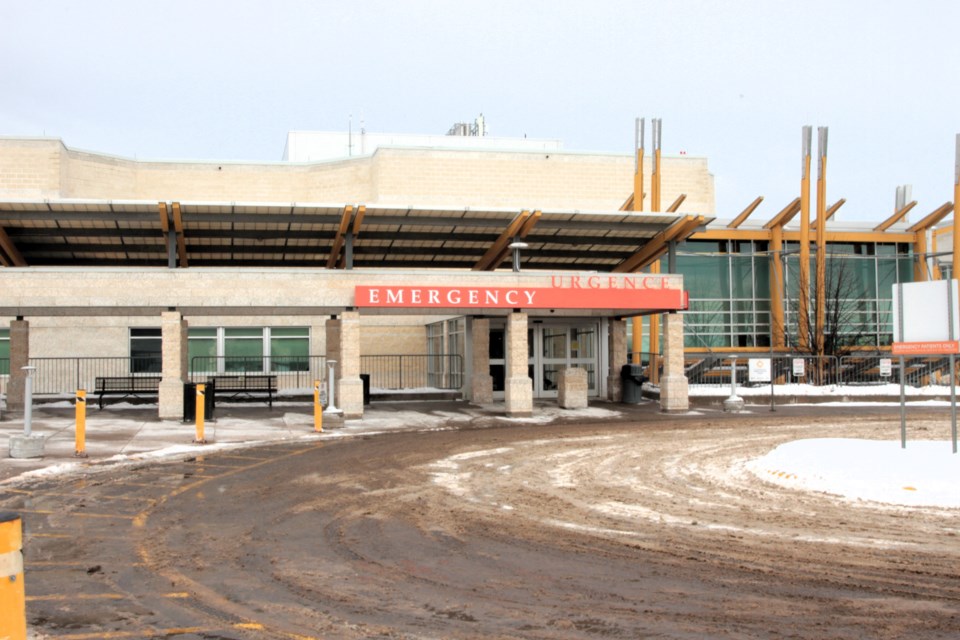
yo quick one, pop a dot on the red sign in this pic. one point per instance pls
(936, 348)
(653, 299)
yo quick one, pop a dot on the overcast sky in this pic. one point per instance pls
(734, 81)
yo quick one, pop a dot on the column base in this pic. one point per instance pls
(350, 398)
(481, 389)
(674, 394)
(614, 388)
(518, 396)
(171, 399)
(22, 446)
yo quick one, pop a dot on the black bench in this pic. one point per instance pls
(246, 385)
(126, 386)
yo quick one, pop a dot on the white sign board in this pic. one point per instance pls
(799, 368)
(759, 369)
(925, 313)
(886, 367)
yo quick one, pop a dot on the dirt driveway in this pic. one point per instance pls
(651, 529)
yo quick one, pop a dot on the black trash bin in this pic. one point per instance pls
(631, 375)
(190, 401)
(365, 377)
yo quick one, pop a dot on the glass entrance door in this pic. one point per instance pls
(552, 347)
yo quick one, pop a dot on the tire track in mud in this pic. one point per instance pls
(577, 531)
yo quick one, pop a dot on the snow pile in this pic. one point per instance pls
(925, 473)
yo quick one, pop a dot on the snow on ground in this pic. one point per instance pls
(925, 473)
(840, 391)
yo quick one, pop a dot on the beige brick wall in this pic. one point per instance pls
(45, 168)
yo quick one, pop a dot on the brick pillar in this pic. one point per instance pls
(173, 333)
(333, 349)
(349, 385)
(518, 387)
(617, 344)
(19, 358)
(674, 391)
(481, 382)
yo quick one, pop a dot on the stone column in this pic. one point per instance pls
(481, 382)
(173, 335)
(518, 386)
(349, 385)
(674, 391)
(19, 358)
(617, 345)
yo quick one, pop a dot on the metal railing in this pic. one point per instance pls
(438, 371)
(878, 369)
(294, 373)
(713, 370)
(55, 376)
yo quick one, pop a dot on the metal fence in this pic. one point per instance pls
(714, 370)
(4, 374)
(295, 374)
(438, 371)
(877, 369)
(55, 376)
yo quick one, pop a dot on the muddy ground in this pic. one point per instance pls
(642, 529)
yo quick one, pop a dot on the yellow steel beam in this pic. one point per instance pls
(854, 236)
(488, 260)
(338, 239)
(896, 217)
(932, 218)
(636, 204)
(786, 214)
(745, 213)
(830, 211)
(658, 245)
(14, 257)
(776, 287)
(920, 271)
(181, 241)
(821, 258)
(676, 203)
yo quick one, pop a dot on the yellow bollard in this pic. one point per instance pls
(81, 431)
(201, 409)
(13, 613)
(317, 408)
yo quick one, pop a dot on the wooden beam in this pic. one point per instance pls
(832, 210)
(181, 242)
(500, 245)
(855, 236)
(676, 203)
(358, 219)
(164, 218)
(528, 224)
(786, 215)
(658, 245)
(14, 257)
(932, 218)
(745, 213)
(896, 217)
(627, 204)
(345, 217)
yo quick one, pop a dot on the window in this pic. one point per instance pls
(289, 349)
(4, 352)
(146, 348)
(248, 349)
